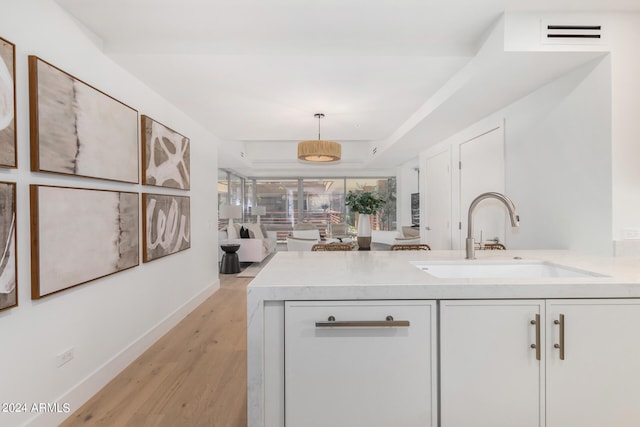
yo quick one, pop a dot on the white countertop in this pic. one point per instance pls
(387, 275)
(393, 275)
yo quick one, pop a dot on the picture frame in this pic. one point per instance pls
(8, 247)
(166, 228)
(79, 235)
(79, 130)
(166, 156)
(8, 129)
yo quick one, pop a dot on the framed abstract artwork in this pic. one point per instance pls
(166, 156)
(8, 152)
(8, 257)
(166, 228)
(79, 130)
(79, 235)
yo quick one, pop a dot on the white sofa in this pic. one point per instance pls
(394, 237)
(253, 249)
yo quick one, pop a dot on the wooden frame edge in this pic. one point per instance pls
(33, 114)
(35, 253)
(144, 228)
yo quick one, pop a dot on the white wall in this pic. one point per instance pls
(407, 181)
(557, 161)
(625, 66)
(621, 32)
(572, 146)
(109, 321)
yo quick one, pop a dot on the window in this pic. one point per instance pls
(321, 201)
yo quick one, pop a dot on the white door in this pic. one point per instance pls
(482, 170)
(438, 201)
(489, 374)
(598, 382)
(357, 375)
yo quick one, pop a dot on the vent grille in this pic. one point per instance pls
(572, 33)
(374, 151)
(243, 154)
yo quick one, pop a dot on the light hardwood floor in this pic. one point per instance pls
(193, 376)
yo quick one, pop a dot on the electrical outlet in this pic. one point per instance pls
(631, 234)
(64, 357)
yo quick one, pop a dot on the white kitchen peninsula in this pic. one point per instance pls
(371, 339)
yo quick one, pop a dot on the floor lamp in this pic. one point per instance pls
(258, 211)
(230, 212)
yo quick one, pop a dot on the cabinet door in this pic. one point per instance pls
(360, 375)
(489, 373)
(598, 382)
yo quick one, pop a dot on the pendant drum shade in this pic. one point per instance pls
(319, 150)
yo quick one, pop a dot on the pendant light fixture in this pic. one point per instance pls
(319, 150)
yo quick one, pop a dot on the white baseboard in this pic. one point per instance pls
(87, 388)
(629, 247)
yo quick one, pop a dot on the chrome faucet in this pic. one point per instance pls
(515, 219)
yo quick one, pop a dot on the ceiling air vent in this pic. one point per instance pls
(572, 33)
(243, 154)
(374, 151)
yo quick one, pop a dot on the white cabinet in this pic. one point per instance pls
(598, 382)
(489, 373)
(360, 363)
(588, 373)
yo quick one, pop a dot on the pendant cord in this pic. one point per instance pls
(319, 116)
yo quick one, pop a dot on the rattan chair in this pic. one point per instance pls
(320, 247)
(412, 247)
(493, 247)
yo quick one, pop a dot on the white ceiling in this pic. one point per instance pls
(255, 71)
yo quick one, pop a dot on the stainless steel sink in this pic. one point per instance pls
(469, 269)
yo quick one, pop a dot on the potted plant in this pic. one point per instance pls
(365, 203)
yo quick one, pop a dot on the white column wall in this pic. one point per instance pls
(557, 160)
(621, 32)
(625, 69)
(407, 183)
(558, 163)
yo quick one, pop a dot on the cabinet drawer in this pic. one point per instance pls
(360, 363)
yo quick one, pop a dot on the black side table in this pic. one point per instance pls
(230, 262)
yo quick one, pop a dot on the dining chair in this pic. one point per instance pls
(307, 234)
(300, 244)
(322, 247)
(411, 247)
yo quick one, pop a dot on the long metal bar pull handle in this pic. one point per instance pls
(536, 346)
(389, 322)
(560, 346)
